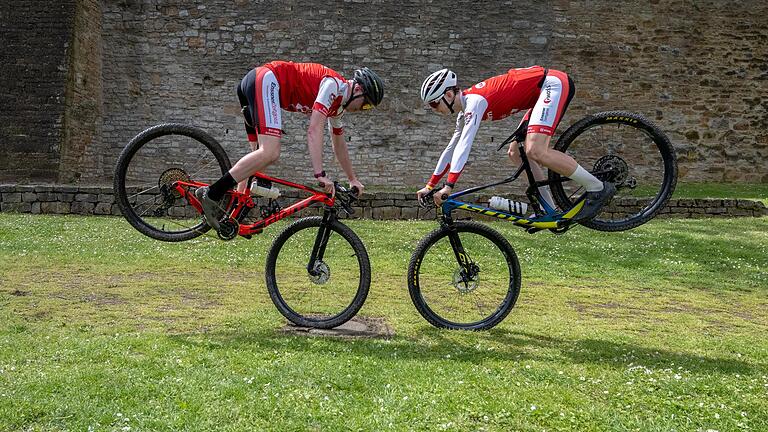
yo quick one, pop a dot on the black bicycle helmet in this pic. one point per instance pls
(372, 85)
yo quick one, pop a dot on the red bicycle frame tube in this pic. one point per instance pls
(239, 201)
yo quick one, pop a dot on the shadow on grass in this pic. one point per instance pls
(430, 344)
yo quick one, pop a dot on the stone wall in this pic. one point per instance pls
(696, 68)
(34, 66)
(93, 200)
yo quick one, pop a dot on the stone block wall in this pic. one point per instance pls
(696, 68)
(34, 68)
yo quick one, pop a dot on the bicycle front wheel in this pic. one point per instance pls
(149, 166)
(628, 150)
(449, 297)
(337, 285)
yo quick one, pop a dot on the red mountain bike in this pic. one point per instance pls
(317, 272)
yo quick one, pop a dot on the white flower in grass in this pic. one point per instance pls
(717, 416)
(678, 376)
(533, 407)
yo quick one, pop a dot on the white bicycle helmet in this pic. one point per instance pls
(436, 84)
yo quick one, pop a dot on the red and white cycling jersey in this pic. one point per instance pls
(509, 93)
(296, 87)
(545, 94)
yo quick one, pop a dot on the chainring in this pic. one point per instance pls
(228, 229)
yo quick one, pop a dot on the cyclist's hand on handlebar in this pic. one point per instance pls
(423, 194)
(442, 195)
(327, 185)
(356, 187)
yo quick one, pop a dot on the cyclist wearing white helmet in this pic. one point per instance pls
(545, 95)
(309, 88)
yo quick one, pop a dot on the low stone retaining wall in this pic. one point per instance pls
(94, 200)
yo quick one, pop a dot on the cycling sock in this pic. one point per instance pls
(222, 185)
(584, 178)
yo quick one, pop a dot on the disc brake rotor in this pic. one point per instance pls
(464, 284)
(322, 273)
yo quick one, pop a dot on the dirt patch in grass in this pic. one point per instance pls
(357, 327)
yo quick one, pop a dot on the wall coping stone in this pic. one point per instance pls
(99, 199)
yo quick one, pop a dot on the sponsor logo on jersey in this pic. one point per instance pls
(480, 85)
(547, 98)
(468, 117)
(273, 102)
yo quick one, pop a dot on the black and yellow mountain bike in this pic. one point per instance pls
(465, 275)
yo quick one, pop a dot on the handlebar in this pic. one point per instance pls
(345, 197)
(426, 200)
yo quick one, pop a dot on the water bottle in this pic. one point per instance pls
(508, 205)
(264, 188)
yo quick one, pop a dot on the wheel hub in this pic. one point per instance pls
(612, 168)
(168, 178)
(466, 283)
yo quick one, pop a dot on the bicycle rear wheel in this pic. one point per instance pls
(147, 169)
(628, 150)
(447, 298)
(339, 287)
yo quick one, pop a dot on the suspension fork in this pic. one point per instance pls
(321, 240)
(453, 238)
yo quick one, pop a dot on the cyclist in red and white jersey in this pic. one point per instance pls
(308, 88)
(545, 95)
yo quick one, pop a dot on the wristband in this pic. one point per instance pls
(450, 185)
(320, 174)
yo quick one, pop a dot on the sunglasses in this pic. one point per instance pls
(366, 103)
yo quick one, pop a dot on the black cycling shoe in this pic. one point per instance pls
(211, 209)
(594, 202)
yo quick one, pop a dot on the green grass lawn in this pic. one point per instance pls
(657, 329)
(757, 192)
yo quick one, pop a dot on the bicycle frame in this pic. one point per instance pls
(240, 202)
(549, 219)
